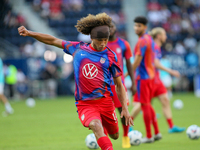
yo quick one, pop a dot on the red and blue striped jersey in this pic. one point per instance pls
(145, 48)
(122, 49)
(92, 70)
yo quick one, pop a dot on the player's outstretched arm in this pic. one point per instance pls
(170, 71)
(44, 38)
(122, 97)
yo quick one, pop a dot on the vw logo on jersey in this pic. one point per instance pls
(102, 60)
(118, 50)
(90, 71)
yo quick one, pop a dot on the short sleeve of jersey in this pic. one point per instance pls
(141, 47)
(158, 53)
(128, 54)
(69, 47)
(114, 67)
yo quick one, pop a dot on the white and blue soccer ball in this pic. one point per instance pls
(91, 141)
(193, 132)
(135, 137)
(178, 104)
(30, 102)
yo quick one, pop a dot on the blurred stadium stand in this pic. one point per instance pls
(63, 14)
(179, 18)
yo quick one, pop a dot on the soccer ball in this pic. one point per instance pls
(178, 104)
(135, 137)
(193, 132)
(30, 102)
(91, 141)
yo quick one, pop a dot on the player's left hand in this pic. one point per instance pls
(128, 119)
(133, 89)
(175, 73)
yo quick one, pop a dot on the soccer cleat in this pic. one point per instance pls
(126, 142)
(147, 140)
(157, 136)
(130, 129)
(176, 129)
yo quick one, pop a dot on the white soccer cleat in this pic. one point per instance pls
(147, 140)
(157, 136)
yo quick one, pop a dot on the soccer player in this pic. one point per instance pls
(160, 91)
(122, 50)
(144, 74)
(8, 108)
(93, 66)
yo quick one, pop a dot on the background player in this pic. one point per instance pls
(159, 91)
(159, 36)
(144, 74)
(122, 50)
(8, 108)
(93, 66)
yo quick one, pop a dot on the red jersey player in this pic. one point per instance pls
(122, 50)
(160, 91)
(94, 64)
(144, 74)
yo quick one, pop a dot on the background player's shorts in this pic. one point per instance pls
(167, 81)
(158, 88)
(144, 91)
(1, 88)
(102, 109)
(116, 101)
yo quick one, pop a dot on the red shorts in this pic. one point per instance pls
(144, 90)
(102, 109)
(158, 87)
(116, 101)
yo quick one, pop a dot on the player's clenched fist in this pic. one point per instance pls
(23, 31)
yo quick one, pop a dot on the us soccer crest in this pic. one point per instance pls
(118, 50)
(102, 60)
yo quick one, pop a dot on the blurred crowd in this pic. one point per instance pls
(180, 19)
(61, 14)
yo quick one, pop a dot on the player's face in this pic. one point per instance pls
(163, 37)
(112, 30)
(99, 44)
(140, 28)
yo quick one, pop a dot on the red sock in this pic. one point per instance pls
(170, 123)
(125, 128)
(105, 131)
(105, 143)
(147, 119)
(154, 120)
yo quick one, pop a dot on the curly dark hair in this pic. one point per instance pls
(86, 24)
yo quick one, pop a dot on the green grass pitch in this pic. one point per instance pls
(54, 125)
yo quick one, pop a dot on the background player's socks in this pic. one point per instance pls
(105, 143)
(147, 119)
(170, 123)
(154, 120)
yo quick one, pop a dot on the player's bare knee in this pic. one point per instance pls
(95, 125)
(114, 136)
